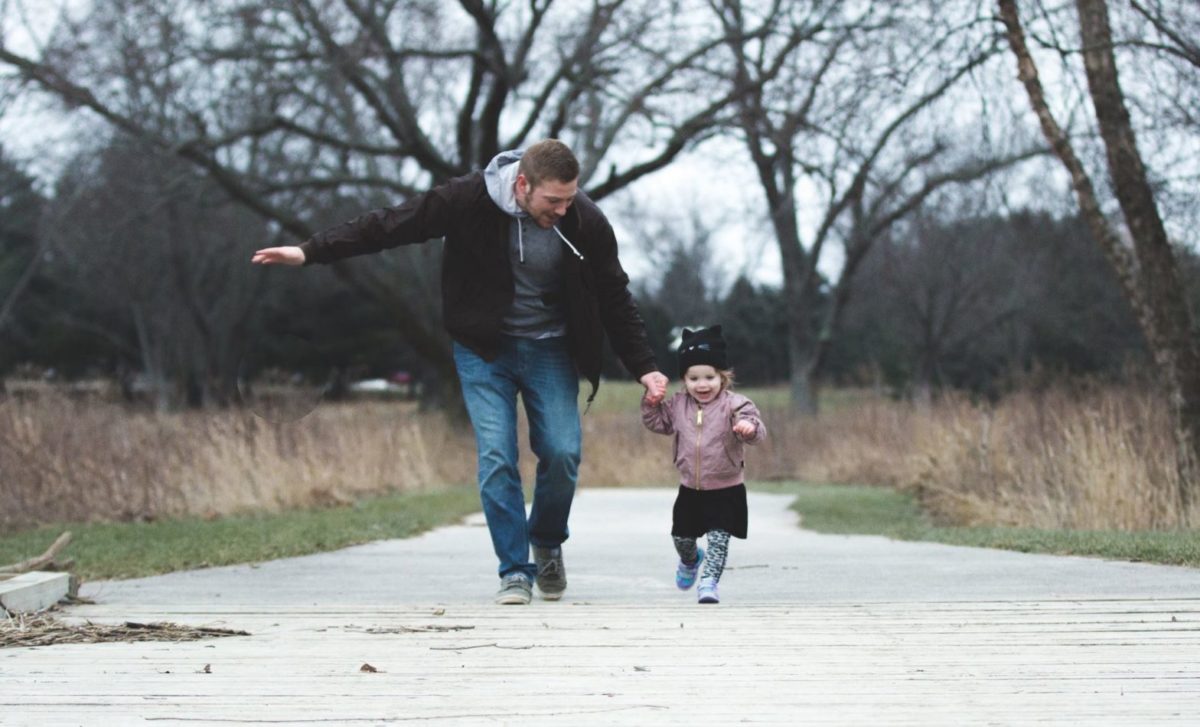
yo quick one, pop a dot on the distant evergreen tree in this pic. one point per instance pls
(20, 215)
(755, 324)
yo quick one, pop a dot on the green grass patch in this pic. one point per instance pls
(860, 510)
(129, 550)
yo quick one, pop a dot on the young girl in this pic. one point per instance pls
(710, 424)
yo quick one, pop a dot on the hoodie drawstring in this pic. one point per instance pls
(521, 241)
(564, 239)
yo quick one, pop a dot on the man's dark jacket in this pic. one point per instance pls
(477, 281)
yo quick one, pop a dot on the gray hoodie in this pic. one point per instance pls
(536, 257)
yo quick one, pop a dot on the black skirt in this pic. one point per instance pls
(698, 511)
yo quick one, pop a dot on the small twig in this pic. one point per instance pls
(35, 563)
(175, 627)
(479, 646)
(413, 629)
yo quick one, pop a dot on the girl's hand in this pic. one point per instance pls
(744, 429)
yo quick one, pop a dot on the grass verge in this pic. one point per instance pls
(862, 510)
(130, 550)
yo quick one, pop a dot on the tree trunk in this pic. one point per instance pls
(801, 365)
(797, 292)
(923, 381)
(1150, 281)
(1170, 336)
(151, 359)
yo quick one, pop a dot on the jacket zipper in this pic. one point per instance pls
(699, 436)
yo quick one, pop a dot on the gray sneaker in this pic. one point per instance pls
(551, 574)
(515, 590)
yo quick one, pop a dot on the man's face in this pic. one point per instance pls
(547, 202)
(703, 383)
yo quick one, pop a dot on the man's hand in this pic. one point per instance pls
(656, 386)
(290, 255)
(744, 429)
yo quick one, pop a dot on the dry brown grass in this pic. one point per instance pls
(64, 459)
(1064, 458)
(1081, 459)
(1094, 459)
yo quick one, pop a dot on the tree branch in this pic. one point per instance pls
(1189, 52)
(1122, 261)
(40, 561)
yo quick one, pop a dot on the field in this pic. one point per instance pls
(1070, 458)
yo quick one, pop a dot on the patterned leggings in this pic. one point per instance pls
(714, 559)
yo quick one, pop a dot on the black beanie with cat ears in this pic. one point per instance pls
(703, 347)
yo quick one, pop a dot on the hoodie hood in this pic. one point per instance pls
(501, 178)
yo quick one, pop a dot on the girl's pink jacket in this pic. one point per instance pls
(708, 454)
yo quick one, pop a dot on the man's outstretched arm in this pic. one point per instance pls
(421, 218)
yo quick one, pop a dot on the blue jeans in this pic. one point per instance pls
(545, 375)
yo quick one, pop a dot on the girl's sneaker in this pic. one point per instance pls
(685, 575)
(706, 592)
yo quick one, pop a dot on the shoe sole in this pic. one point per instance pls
(514, 598)
(709, 600)
(551, 595)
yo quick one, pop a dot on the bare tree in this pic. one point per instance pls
(847, 103)
(161, 280)
(282, 101)
(1149, 273)
(954, 291)
(1160, 43)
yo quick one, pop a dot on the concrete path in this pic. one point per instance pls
(620, 552)
(812, 629)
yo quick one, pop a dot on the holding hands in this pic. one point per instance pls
(656, 386)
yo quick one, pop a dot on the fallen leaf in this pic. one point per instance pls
(368, 668)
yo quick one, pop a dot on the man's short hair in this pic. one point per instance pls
(549, 159)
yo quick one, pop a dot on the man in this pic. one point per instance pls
(531, 284)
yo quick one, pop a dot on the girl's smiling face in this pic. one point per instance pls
(703, 383)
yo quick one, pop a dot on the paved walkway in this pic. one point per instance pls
(813, 628)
